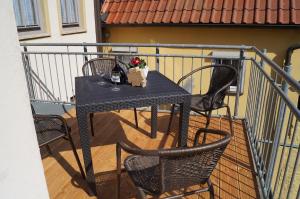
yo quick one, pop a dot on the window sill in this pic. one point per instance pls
(69, 31)
(32, 35)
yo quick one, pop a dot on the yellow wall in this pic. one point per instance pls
(276, 41)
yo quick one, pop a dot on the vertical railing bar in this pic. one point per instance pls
(33, 83)
(64, 75)
(253, 96)
(283, 150)
(260, 94)
(70, 70)
(148, 61)
(269, 119)
(85, 58)
(294, 170)
(250, 90)
(28, 66)
(236, 107)
(37, 70)
(258, 120)
(173, 63)
(165, 65)
(57, 76)
(182, 69)
(50, 72)
(288, 159)
(274, 151)
(76, 61)
(202, 53)
(261, 125)
(43, 66)
(192, 80)
(157, 67)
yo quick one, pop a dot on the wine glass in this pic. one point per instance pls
(101, 73)
(115, 78)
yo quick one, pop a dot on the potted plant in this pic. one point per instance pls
(141, 64)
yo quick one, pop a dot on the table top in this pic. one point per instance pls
(87, 90)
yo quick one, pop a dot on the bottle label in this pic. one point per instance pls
(115, 79)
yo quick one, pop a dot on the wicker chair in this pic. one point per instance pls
(155, 172)
(222, 77)
(50, 128)
(94, 66)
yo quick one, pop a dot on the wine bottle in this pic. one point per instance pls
(122, 78)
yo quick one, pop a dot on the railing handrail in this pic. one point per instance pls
(203, 46)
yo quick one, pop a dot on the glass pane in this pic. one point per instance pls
(17, 12)
(30, 12)
(63, 11)
(69, 11)
(25, 13)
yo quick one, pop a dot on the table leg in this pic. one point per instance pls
(184, 122)
(86, 150)
(154, 121)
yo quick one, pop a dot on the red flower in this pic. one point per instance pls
(137, 62)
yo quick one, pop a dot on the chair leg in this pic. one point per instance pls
(140, 193)
(92, 123)
(206, 126)
(171, 118)
(230, 121)
(76, 156)
(211, 189)
(118, 153)
(48, 149)
(136, 120)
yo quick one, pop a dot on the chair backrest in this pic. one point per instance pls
(222, 77)
(185, 167)
(97, 65)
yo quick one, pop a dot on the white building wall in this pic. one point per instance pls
(21, 170)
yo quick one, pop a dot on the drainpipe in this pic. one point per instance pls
(98, 22)
(288, 63)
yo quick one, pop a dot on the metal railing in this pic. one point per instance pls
(266, 105)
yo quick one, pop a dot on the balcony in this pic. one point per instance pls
(262, 160)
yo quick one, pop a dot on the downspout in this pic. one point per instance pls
(288, 62)
(98, 25)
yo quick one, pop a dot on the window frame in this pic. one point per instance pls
(233, 56)
(42, 29)
(72, 28)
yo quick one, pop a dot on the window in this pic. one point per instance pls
(232, 59)
(29, 18)
(26, 14)
(69, 13)
(71, 16)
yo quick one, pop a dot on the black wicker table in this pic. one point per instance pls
(91, 97)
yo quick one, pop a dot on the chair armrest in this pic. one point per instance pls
(50, 117)
(194, 71)
(136, 151)
(131, 150)
(208, 131)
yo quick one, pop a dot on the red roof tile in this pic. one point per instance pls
(263, 12)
